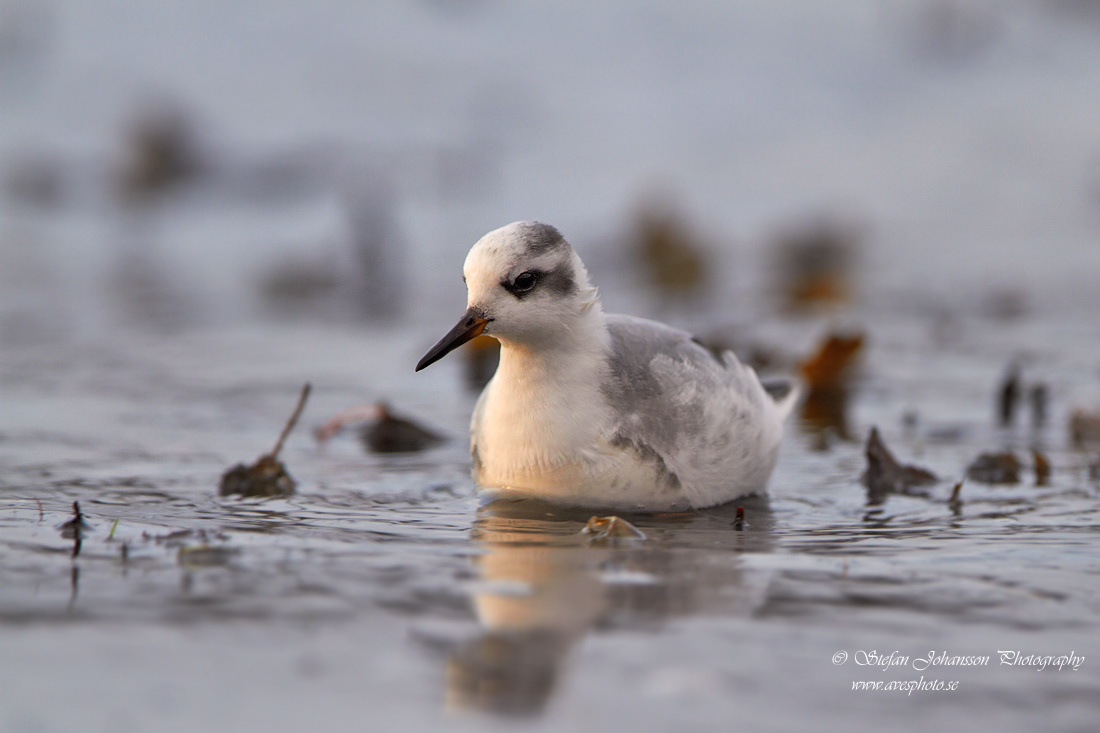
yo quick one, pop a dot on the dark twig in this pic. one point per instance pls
(293, 419)
(1008, 395)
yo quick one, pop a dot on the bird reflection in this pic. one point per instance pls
(544, 585)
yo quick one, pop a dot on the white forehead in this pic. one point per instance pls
(521, 244)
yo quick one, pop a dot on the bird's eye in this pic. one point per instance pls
(525, 281)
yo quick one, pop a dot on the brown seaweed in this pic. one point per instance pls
(815, 264)
(392, 434)
(1042, 468)
(1084, 428)
(955, 500)
(385, 433)
(161, 153)
(675, 262)
(885, 475)
(995, 468)
(828, 375)
(267, 476)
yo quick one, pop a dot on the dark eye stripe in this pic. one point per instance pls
(523, 284)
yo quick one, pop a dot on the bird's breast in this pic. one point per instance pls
(534, 438)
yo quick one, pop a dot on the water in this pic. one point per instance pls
(148, 344)
(383, 591)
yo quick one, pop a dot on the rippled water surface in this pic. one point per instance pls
(384, 590)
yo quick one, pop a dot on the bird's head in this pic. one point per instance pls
(524, 284)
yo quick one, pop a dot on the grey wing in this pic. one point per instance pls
(675, 398)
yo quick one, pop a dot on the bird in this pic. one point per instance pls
(588, 409)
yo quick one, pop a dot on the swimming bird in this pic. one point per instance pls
(598, 410)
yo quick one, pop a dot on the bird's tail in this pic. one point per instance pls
(785, 393)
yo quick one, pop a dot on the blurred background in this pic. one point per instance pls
(168, 166)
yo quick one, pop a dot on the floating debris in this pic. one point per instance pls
(482, 356)
(674, 261)
(341, 420)
(1008, 395)
(1037, 397)
(995, 468)
(391, 434)
(267, 476)
(886, 476)
(739, 519)
(74, 527)
(386, 433)
(828, 374)
(161, 153)
(1084, 428)
(814, 265)
(1042, 468)
(612, 528)
(830, 368)
(955, 500)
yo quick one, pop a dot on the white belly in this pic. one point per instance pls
(580, 466)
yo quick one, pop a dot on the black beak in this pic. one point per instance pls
(470, 327)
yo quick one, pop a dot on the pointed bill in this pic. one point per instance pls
(470, 326)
